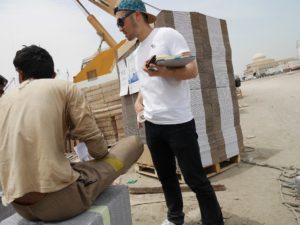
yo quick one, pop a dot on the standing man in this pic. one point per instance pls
(35, 175)
(3, 83)
(165, 99)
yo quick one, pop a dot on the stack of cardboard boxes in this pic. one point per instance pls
(105, 103)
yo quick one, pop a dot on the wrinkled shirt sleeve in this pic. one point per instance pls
(83, 125)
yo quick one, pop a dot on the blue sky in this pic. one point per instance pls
(267, 26)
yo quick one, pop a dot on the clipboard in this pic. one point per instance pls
(176, 61)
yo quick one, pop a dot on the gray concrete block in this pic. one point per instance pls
(112, 207)
(5, 211)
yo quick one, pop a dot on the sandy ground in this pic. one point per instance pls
(270, 122)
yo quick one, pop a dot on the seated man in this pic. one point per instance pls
(35, 176)
(3, 83)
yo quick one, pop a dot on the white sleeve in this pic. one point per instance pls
(176, 42)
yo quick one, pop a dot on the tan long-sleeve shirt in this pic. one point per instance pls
(34, 120)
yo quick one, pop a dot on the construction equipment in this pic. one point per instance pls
(107, 6)
(103, 62)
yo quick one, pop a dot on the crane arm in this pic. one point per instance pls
(106, 5)
(101, 31)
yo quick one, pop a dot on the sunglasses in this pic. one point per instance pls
(121, 20)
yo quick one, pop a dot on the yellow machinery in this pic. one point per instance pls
(107, 6)
(104, 62)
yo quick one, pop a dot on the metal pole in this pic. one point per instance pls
(85, 11)
(158, 9)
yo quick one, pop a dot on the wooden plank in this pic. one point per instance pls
(155, 190)
(222, 166)
(151, 172)
(107, 114)
(107, 109)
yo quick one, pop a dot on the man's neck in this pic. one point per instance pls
(144, 32)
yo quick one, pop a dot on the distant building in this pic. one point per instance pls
(298, 48)
(262, 66)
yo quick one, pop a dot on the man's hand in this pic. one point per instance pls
(139, 107)
(155, 70)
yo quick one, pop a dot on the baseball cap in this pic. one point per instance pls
(134, 5)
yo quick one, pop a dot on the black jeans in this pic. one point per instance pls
(180, 140)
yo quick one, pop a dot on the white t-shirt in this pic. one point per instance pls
(166, 100)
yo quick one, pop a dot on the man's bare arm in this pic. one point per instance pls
(138, 105)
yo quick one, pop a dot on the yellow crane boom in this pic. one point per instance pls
(101, 31)
(103, 62)
(106, 5)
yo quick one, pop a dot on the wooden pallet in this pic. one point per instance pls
(222, 166)
(151, 172)
(210, 170)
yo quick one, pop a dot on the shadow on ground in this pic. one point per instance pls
(231, 219)
(259, 153)
(250, 154)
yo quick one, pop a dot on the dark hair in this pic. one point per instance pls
(3, 81)
(116, 9)
(35, 62)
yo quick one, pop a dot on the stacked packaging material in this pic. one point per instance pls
(112, 207)
(106, 106)
(213, 98)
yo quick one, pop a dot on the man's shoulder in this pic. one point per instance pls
(167, 33)
(166, 30)
(53, 86)
(54, 83)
